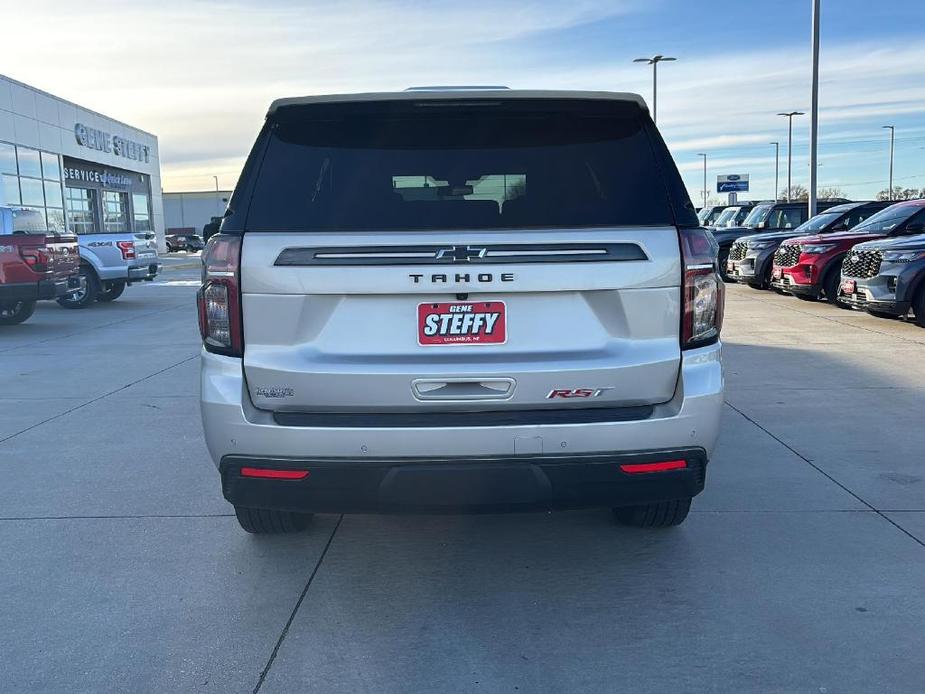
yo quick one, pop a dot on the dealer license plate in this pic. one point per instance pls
(462, 323)
(848, 287)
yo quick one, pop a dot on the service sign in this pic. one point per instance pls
(732, 183)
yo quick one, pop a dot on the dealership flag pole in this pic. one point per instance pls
(814, 113)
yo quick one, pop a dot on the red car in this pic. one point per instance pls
(34, 264)
(809, 267)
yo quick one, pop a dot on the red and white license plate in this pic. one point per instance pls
(849, 287)
(778, 273)
(462, 323)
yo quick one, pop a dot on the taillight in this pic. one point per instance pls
(703, 293)
(219, 297)
(35, 258)
(127, 248)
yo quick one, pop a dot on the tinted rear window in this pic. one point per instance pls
(419, 166)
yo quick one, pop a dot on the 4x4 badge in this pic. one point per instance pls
(461, 254)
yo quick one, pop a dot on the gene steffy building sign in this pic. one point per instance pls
(94, 138)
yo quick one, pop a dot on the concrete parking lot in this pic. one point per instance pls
(800, 569)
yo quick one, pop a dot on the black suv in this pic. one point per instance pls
(765, 216)
(751, 257)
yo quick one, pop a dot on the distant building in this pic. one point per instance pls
(81, 170)
(193, 210)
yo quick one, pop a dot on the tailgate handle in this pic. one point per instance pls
(463, 388)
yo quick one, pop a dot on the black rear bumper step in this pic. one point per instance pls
(480, 418)
(424, 485)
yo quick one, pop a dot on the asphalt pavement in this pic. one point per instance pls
(800, 569)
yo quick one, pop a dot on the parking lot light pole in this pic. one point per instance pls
(892, 130)
(776, 169)
(790, 116)
(814, 113)
(654, 61)
(701, 154)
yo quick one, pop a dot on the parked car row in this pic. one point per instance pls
(861, 255)
(38, 265)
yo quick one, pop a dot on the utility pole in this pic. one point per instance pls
(814, 113)
(892, 130)
(776, 170)
(218, 202)
(704, 177)
(654, 61)
(790, 116)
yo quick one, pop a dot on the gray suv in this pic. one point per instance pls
(451, 300)
(886, 277)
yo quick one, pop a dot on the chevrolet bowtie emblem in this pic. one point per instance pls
(461, 254)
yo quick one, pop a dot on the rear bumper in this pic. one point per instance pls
(43, 290)
(489, 484)
(143, 273)
(235, 430)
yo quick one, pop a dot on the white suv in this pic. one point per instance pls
(459, 300)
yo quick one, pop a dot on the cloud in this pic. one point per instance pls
(200, 74)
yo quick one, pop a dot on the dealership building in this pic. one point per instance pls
(85, 172)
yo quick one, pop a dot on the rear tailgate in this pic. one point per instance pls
(348, 337)
(64, 255)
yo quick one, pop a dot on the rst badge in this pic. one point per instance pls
(462, 323)
(576, 392)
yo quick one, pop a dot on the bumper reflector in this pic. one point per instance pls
(636, 468)
(274, 474)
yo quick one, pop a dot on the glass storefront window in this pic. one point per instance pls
(51, 167)
(30, 163)
(9, 189)
(141, 212)
(81, 210)
(53, 194)
(33, 192)
(7, 159)
(115, 217)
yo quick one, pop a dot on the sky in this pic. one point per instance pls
(200, 73)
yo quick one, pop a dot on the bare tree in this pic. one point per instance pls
(830, 193)
(900, 193)
(797, 193)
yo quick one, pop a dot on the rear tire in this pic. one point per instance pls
(260, 521)
(918, 307)
(663, 514)
(16, 312)
(86, 295)
(116, 287)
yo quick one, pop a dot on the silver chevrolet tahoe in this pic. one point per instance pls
(454, 300)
